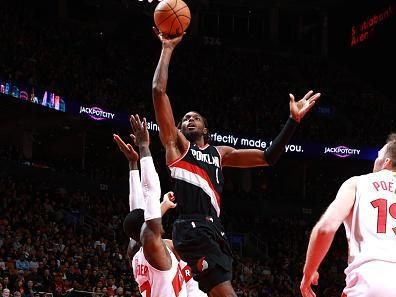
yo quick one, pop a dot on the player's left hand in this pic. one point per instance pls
(127, 149)
(306, 282)
(299, 109)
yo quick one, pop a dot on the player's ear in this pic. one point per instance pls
(205, 131)
(388, 164)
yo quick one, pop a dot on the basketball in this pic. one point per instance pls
(172, 17)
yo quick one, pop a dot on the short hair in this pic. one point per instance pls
(390, 151)
(391, 137)
(133, 223)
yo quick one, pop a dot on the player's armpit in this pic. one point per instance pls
(169, 244)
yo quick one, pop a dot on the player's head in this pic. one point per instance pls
(133, 223)
(194, 126)
(387, 155)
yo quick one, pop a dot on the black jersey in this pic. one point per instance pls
(198, 181)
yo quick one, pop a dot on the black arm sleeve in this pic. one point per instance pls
(273, 153)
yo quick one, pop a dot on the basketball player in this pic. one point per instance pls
(366, 205)
(196, 168)
(171, 284)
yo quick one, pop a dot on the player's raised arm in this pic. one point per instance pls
(323, 234)
(163, 110)
(136, 200)
(253, 157)
(153, 247)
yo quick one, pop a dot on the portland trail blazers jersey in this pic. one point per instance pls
(198, 181)
(371, 227)
(156, 283)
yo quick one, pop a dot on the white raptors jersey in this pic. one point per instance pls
(371, 227)
(156, 283)
(192, 285)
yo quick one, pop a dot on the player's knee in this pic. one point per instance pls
(223, 289)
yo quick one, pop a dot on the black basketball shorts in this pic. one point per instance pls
(201, 242)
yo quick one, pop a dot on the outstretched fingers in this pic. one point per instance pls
(292, 100)
(135, 123)
(121, 144)
(144, 123)
(314, 98)
(307, 95)
(138, 121)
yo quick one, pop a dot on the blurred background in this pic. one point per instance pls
(71, 72)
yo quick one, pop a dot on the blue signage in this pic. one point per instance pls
(52, 100)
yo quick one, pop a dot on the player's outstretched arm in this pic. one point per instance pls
(153, 247)
(163, 110)
(253, 157)
(136, 199)
(323, 234)
(141, 138)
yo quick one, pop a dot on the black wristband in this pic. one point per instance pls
(273, 153)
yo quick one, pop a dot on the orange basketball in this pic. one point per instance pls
(172, 17)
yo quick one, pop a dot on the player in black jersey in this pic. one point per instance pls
(198, 235)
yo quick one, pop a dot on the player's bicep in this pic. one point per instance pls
(164, 117)
(150, 236)
(154, 249)
(342, 205)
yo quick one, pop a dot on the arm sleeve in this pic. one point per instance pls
(151, 189)
(136, 198)
(273, 153)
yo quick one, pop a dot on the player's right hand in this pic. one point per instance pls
(168, 41)
(169, 199)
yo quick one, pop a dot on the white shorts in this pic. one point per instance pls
(372, 279)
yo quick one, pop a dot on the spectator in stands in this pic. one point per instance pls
(120, 292)
(29, 291)
(22, 263)
(6, 292)
(6, 282)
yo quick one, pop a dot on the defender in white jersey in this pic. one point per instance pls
(366, 205)
(155, 267)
